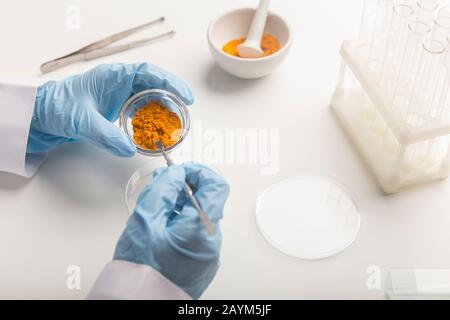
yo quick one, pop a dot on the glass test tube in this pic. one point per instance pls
(444, 103)
(403, 11)
(368, 18)
(426, 10)
(374, 26)
(417, 33)
(441, 25)
(423, 90)
(380, 37)
(429, 73)
(441, 31)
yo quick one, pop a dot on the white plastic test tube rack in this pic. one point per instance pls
(393, 93)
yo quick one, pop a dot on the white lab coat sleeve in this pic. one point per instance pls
(122, 280)
(16, 110)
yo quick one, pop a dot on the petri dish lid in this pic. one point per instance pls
(308, 217)
(140, 178)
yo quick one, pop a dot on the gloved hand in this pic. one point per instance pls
(177, 245)
(84, 106)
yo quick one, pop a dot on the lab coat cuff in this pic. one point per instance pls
(16, 110)
(122, 280)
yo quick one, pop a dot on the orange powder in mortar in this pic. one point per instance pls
(269, 45)
(154, 123)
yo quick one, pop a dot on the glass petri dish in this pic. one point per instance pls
(136, 184)
(140, 178)
(165, 99)
(308, 217)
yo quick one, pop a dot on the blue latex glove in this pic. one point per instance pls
(84, 106)
(177, 245)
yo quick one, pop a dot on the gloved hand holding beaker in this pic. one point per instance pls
(83, 107)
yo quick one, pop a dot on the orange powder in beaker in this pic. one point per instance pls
(155, 123)
(269, 45)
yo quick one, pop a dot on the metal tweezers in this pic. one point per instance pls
(99, 49)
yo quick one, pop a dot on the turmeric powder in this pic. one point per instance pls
(269, 45)
(154, 123)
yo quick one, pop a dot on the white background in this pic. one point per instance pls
(73, 210)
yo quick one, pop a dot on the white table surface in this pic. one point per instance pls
(72, 212)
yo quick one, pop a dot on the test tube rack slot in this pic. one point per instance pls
(392, 98)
